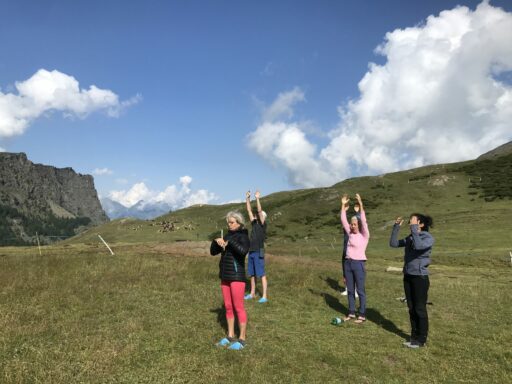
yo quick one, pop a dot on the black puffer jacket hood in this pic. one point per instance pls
(232, 260)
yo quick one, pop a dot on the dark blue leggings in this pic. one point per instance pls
(355, 274)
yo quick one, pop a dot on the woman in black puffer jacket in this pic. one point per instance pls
(233, 248)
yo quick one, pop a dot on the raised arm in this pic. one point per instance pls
(248, 205)
(393, 241)
(360, 202)
(362, 215)
(258, 206)
(343, 213)
(417, 241)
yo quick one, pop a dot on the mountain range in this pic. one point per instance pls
(141, 210)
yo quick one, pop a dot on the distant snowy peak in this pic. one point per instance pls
(140, 210)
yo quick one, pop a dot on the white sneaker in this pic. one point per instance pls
(344, 293)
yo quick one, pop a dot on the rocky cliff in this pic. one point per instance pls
(44, 199)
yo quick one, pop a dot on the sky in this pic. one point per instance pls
(189, 102)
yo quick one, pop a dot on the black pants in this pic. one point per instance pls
(416, 292)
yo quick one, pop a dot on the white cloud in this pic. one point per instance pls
(175, 196)
(102, 171)
(283, 105)
(137, 192)
(2, 149)
(286, 144)
(48, 91)
(439, 97)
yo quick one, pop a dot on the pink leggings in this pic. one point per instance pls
(233, 293)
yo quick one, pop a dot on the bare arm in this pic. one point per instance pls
(360, 201)
(258, 206)
(248, 205)
(344, 207)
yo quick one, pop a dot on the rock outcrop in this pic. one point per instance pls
(36, 195)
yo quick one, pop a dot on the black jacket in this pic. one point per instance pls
(232, 259)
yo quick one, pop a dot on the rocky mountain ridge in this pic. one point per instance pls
(44, 199)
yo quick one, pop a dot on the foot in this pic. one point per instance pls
(225, 342)
(248, 297)
(360, 320)
(349, 317)
(414, 344)
(263, 300)
(238, 345)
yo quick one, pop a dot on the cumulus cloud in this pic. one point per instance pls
(282, 107)
(440, 96)
(102, 171)
(175, 196)
(48, 91)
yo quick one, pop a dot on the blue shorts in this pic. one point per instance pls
(256, 263)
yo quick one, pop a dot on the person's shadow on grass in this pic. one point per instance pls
(221, 317)
(376, 317)
(331, 301)
(334, 284)
(372, 315)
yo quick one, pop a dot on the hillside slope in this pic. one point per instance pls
(469, 201)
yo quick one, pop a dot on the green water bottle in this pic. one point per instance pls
(337, 321)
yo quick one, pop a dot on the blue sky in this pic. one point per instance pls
(200, 77)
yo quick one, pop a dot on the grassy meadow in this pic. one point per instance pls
(79, 315)
(153, 312)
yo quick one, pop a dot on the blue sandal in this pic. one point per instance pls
(237, 346)
(225, 342)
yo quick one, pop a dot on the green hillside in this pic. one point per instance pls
(470, 203)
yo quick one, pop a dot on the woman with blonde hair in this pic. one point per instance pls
(233, 248)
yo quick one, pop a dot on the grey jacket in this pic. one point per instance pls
(418, 247)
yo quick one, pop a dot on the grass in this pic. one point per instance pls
(79, 315)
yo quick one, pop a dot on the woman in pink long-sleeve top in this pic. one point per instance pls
(355, 268)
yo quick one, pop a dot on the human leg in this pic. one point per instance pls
(251, 270)
(237, 294)
(264, 285)
(228, 304)
(359, 269)
(349, 275)
(420, 286)
(260, 272)
(408, 290)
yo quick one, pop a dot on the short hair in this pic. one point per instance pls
(237, 216)
(426, 220)
(359, 222)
